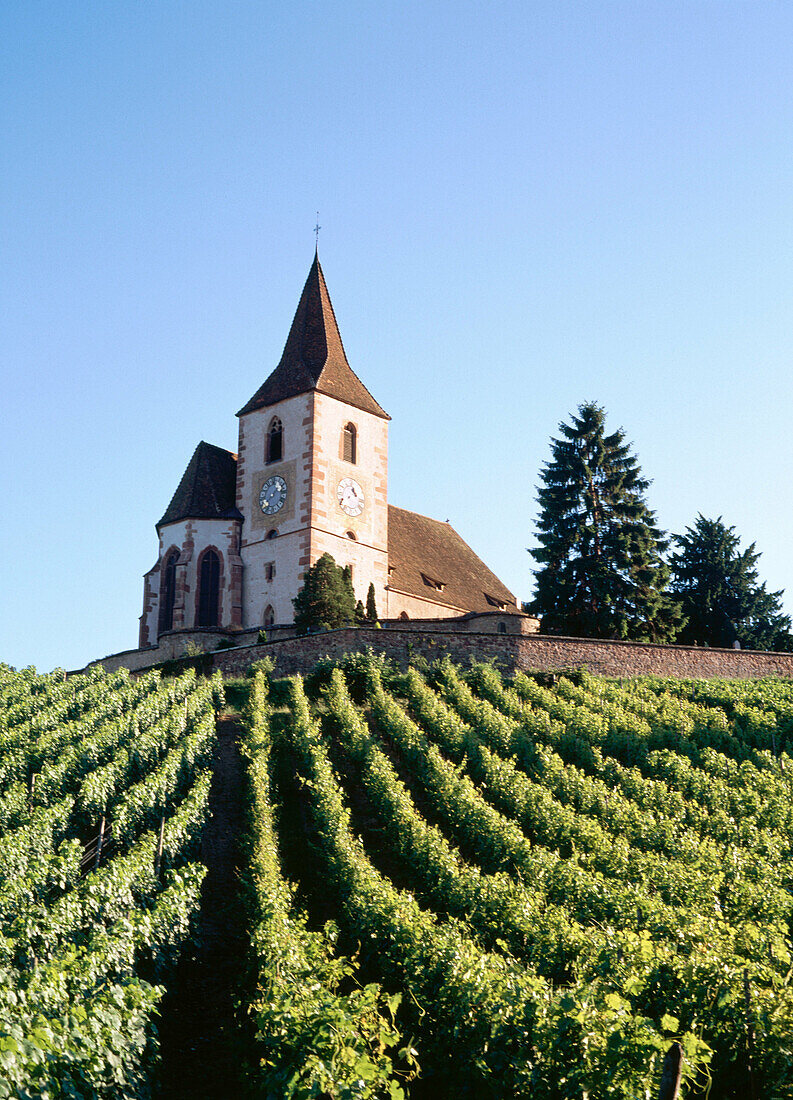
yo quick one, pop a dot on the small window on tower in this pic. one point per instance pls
(275, 441)
(272, 534)
(269, 616)
(349, 447)
(269, 571)
(351, 535)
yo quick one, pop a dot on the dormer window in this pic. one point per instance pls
(274, 446)
(431, 582)
(349, 443)
(495, 602)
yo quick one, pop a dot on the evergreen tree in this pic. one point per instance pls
(346, 572)
(326, 600)
(371, 606)
(717, 587)
(360, 614)
(601, 573)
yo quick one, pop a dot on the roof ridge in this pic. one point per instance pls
(421, 515)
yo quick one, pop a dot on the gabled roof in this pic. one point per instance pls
(207, 489)
(427, 558)
(314, 358)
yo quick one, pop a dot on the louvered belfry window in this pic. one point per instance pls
(275, 441)
(168, 592)
(209, 589)
(350, 443)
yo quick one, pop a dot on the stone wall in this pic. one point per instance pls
(529, 652)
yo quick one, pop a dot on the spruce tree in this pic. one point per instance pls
(360, 614)
(719, 592)
(326, 600)
(601, 573)
(371, 606)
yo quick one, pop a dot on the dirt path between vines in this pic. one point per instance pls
(199, 1034)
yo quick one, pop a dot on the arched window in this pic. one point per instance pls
(168, 591)
(275, 441)
(352, 535)
(349, 443)
(404, 615)
(269, 616)
(208, 589)
(272, 534)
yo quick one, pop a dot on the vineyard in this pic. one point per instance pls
(104, 783)
(455, 883)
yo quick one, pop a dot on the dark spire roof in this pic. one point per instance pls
(207, 489)
(314, 357)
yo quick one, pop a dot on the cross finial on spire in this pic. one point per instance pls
(317, 228)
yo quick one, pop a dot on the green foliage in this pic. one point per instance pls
(82, 946)
(313, 1039)
(717, 586)
(326, 600)
(237, 692)
(601, 573)
(357, 670)
(559, 877)
(542, 882)
(371, 605)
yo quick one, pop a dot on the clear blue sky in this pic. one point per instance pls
(524, 206)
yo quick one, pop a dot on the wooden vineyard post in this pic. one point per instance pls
(160, 846)
(749, 1036)
(670, 1074)
(99, 841)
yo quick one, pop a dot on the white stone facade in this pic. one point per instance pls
(191, 538)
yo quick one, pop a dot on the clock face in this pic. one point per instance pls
(350, 496)
(273, 495)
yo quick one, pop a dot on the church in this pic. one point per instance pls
(310, 476)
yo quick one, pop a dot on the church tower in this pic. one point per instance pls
(312, 469)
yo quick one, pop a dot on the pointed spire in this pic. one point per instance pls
(314, 356)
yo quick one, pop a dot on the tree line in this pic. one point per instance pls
(606, 570)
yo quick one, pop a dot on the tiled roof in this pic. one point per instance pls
(314, 358)
(428, 558)
(207, 489)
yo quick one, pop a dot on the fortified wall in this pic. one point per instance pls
(529, 652)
